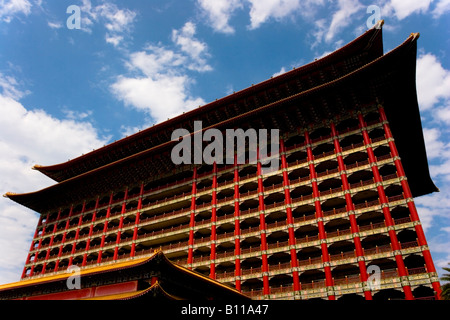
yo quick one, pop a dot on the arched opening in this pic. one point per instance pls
(388, 294)
(423, 292)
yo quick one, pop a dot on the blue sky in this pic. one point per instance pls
(65, 92)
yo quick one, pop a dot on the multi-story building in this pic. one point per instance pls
(336, 219)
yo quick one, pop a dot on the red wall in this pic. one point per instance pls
(89, 292)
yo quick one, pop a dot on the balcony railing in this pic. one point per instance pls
(254, 229)
(321, 283)
(250, 193)
(371, 226)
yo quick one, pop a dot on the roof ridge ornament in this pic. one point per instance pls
(379, 24)
(9, 194)
(415, 35)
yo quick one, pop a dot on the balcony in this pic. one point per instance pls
(386, 277)
(181, 212)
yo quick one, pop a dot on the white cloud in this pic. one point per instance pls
(442, 170)
(9, 8)
(160, 83)
(433, 207)
(155, 60)
(76, 115)
(115, 40)
(341, 18)
(117, 21)
(327, 30)
(163, 96)
(9, 87)
(218, 13)
(438, 151)
(442, 113)
(55, 25)
(29, 137)
(283, 70)
(263, 10)
(442, 7)
(401, 8)
(433, 81)
(433, 144)
(439, 246)
(194, 48)
(319, 31)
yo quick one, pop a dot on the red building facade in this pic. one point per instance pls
(336, 220)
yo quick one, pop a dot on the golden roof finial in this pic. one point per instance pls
(379, 24)
(9, 194)
(415, 35)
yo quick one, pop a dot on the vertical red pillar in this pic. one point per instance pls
(290, 219)
(319, 217)
(105, 227)
(212, 273)
(40, 242)
(119, 232)
(411, 206)
(88, 242)
(61, 247)
(237, 227)
(24, 272)
(386, 212)
(262, 228)
(192, 219)
(136, 224)
(351, 213)
(77, 233)
(42, 234)
(47, 256)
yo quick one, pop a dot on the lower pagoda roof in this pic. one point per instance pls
(173, 282)
(389, 80)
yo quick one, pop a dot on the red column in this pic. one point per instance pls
(351, 214)
(290, 219)
(212, 273)
(119, 232)
(192, 219)
(237, 227)
(39, 244)
(136, 227)
(411, 206)
(105, 228)
(88, 242)
(47, 256)
(42, 235)
(319, 217)
(24, 272)
(61, 247)
(74, 245)
(386, 212)
(262, 228)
